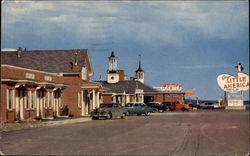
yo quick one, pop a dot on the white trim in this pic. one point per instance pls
(33, 70)
(36, 82)
(90, 87)
(90, 65)
(71, 73)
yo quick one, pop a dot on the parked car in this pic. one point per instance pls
(206, 105)
(108, 111)
(139, 108)
(159, 106)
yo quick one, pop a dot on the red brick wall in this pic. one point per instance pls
(29, 113)
(167, 97)
(3, 102)
(107, 98)
(70, 94)
(121, 75)
(19, 74)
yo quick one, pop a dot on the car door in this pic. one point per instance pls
(144, 108)
(116, 110)
(119, 110)
(137, 108)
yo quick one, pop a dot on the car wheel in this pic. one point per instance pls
(94, 118)
(109, 116)
(123, 116)
(147, 113)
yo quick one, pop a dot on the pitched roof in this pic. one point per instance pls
(56, 61)
(129, 86)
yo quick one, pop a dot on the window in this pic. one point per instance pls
(141, 75)
(10, 98)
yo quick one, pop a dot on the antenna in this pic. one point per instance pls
(140, 58)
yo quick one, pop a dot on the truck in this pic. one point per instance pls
(177, 106)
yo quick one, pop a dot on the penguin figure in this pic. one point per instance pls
(239, 67)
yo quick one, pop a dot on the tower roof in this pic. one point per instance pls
(112, 54)
(139, 68)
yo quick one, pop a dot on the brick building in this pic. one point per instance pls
(47, 83)
(123, 90)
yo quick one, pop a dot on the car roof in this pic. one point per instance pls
(109, 103)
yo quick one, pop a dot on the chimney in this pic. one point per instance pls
(75, 67)
(121, 75)
(19, 51)
(76, 58)
(25, 49)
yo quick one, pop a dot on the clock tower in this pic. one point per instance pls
(112, 73)
(139, 73)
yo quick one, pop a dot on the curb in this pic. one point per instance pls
(66, 121)
(19, 126)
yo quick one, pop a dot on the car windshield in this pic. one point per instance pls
(107, 105)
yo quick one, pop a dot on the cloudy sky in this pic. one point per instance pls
(188, 43)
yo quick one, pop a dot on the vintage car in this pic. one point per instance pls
(108, 111)
(139, 108)
(159, 106)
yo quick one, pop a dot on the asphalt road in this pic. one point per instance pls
(210, 132)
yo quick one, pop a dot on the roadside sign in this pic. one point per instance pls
(232, 84)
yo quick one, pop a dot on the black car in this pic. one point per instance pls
(159, 106)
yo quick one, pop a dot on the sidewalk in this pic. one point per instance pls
(41, 123)
(66, 121)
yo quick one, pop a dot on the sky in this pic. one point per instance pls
(180, 42)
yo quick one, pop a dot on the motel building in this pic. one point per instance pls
(119, 88)
(47, 83)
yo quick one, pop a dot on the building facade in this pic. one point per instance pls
(118, 88)
(47, 83)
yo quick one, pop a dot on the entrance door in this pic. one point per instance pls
(148, 99)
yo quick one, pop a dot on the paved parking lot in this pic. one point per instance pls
(201, 132)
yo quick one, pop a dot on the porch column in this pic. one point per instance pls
(142, 97)
(21, 104)
(97, 99)
(16, 103)
(37, 104)
(41, 103)
(82, 103)
(127, 99)
(93, 99)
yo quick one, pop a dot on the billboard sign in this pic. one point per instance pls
(190, 92)
(235, 99)
(171, 87)
(232, 84)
